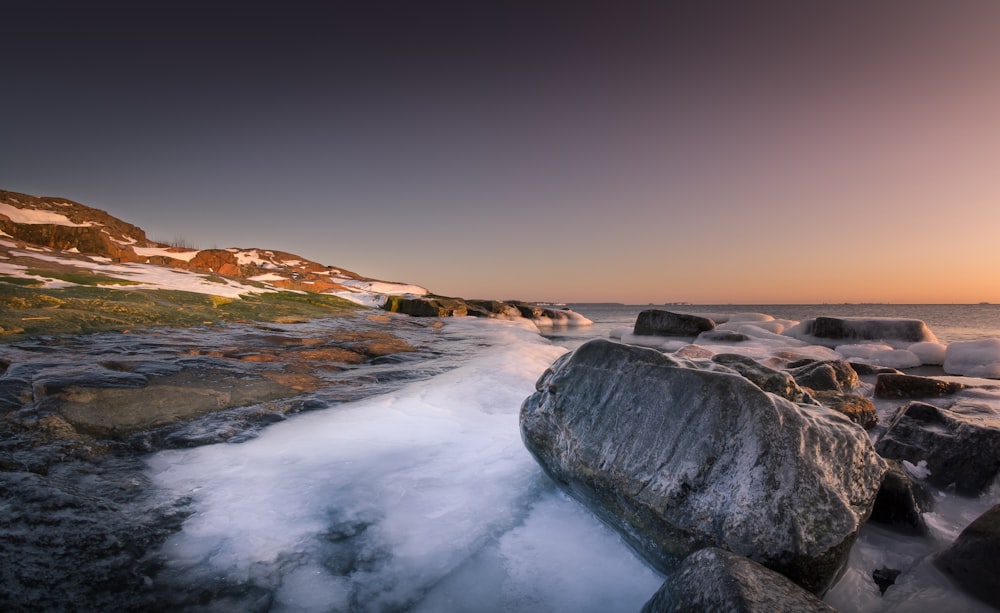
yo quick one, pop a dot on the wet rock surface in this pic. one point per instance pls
(716, 580)
(79, 522)
(960, 444)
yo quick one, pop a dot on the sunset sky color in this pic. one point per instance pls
(708, 152)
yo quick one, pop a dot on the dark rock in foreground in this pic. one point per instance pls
(678, 459)
(654, 322)
(716, 580)
(961, 445)
(900, 501)
(972, 559)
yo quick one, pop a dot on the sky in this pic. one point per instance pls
(642, 152)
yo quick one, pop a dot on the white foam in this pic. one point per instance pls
(431, 484)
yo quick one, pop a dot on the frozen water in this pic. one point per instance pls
(974, 358)
(422, 498)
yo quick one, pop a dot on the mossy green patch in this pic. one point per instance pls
(83, 277)
(29, 311)
(20, 281)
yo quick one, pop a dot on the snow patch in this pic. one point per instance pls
(184, 256)
(39, 217)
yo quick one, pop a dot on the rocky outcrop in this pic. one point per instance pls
(833, 331)
(678, 459)
(961, 445)
(716, 580)
(425, 307)
(900, 386)
(493, 308)
(971, 561)
(654, 322)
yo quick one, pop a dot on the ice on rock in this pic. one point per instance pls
(895, 358)
(929, 352)
(833, 331)
(863, 351)
(974, 358)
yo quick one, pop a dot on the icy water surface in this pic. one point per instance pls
(421, 499)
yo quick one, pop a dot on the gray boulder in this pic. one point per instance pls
(654, 322)
(678, 459)
(972, 559)
(716, 580)
(961, 444)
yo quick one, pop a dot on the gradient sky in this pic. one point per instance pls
(709, 152)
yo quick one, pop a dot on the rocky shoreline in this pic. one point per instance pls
(709, 462)
(81, 412)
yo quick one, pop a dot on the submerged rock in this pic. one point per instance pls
(654, 322)
(678, 459)
(972, 559)
(716, 580)
(961, 445)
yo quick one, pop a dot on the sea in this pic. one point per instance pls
(948, 322)
(424, 498)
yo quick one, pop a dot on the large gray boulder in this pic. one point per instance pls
(961, 444)
(678, 459)
(716, 580)
(654, 322)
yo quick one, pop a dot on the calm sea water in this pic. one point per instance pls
(949, 322)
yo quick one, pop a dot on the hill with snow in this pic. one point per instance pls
(43, 240)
